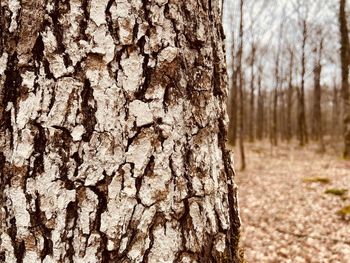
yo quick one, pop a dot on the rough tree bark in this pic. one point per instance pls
(113, 133)
(345, 64)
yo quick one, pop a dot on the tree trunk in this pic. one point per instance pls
(232, 129)
(317, 114)
(303, 136)
(113, 133)
(290, 97)
(240, 89)
(282, 114)
(336, 112)
(345, 63)
(251, 130)
(274, 140)
(260, 111)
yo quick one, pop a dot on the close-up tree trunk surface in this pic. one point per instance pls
(174, 131)
(113, 133)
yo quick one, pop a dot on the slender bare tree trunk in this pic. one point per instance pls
(303, 136)
(283, 114)
(317, 113)
(260, 110)
(345, 63)
(274, 139)
(113, 133)
(241, 89)
(232, 129)
(278, 82)
(336, 112)
(290, 96)
(251, 122)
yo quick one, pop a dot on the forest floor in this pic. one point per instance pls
(294, 205)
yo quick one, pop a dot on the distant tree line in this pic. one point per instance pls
(290, 78)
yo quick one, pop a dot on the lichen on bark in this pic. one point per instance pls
(113, 133)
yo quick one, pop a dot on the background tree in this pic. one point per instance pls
(290, 92)
(276, 89)
(302, 128)
(241, 87)
(260, 107)
(317, 127)
(113, 136)
(233, 102)
(336, 112)
(345, 63)
(251, 129)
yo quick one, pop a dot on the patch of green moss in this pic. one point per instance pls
(317, 179)
(337, 192)
(344, 212)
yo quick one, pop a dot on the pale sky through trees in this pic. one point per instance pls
(262, 22)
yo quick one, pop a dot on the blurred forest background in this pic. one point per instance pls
(289, 110)
(285, 65)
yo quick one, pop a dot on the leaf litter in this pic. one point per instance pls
(289, 212)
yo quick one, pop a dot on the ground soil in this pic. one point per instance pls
(287, 216)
